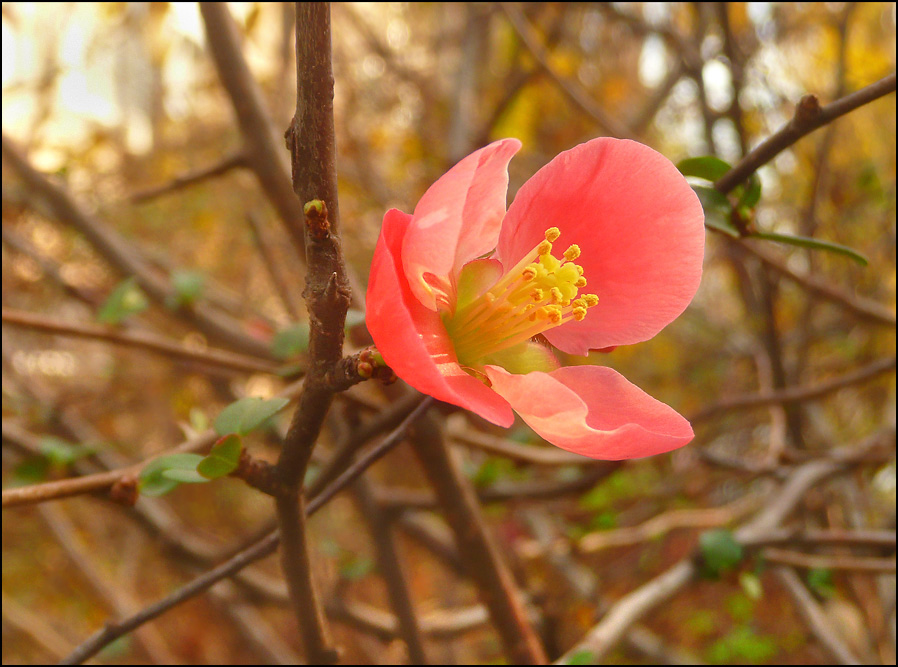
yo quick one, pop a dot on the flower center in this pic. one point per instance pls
(538, 294)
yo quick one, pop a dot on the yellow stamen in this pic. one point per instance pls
(552, 234)
(572, 253)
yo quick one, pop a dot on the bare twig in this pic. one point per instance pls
(830, 561)
(186, 180)
(481, 555)
(138, 339)
(570, 89)
(793, 394)
(262, 548)
(809, 116)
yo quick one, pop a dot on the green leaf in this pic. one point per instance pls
(720, 551)
(186, 476)
(751, 585)
(821, 582)
(291, 341)
(222, 459)
(708, 167)
(188, 287)
(814, 244)
(584, 657)
(718, 210)
(30, 471)
(357, 568)
(246, 414)
(62, 453)
(751, 194)
(125, 300)
(154, 481)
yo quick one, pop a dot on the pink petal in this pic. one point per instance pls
(457, 219)
(593, 411)
(640, 229)
(412, 338)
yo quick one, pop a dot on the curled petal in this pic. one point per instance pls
(457, 219)
(640, 230)
(412, 338)
(593, 411)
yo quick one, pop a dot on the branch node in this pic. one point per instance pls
(316, 219)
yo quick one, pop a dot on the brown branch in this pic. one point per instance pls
(125, 258)
(484, 562)
(138, 339)
(260, 145)
(570, 89)
(264, 547)
(794, 394)
(809, 116)
(390, 568)
(829, 561)
(865, 308)
(185, 180)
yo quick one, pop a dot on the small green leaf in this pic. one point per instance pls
(125, 300)
(718, 210)
(291, 341)
(188, 287)
(30, 471)
(186, 476)
(814, 244)
(584, 657)
(153, 478)
(357, 568)
(751, 194)
(751, 584)
(708, 167)
(821, 582)
(222, 459)
(720, 551)
(62, 453)
(246, 414)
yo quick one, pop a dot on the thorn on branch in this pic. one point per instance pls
(316, 220)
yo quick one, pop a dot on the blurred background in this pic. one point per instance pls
(122, 105)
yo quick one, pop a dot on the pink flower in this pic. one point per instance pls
(459, 289)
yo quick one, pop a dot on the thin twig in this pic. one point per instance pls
(264, 547)
(185, 180)
(139, 339)
(794, 394)
(809, 116)
(830, 561)
(481, 555)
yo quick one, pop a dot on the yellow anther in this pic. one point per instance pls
(566, 303)
(590, 299)
(579, 303)
(557, 297)
(544, 248)
(504, 309)
(554, 313)
(538, 294)
(489, 297)
(579, 313)
(552, 234)
(529, 273)
(572, 253)
(580, 282)
(579, 269)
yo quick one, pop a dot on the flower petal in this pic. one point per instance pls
(457, 219)
(640, 230)
(593, 411)
(412, 338)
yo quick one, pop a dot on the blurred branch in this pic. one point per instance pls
(262, 548)
(484, 562)
(864, 308)
(124, 257)
(191, 178)
(629, 609)
(390, 569)
(829, 561)
(147, 341)
(571, 90)
(816, 619)
(809, 116)
(794, 394)
(280, 277)
(261, 149)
